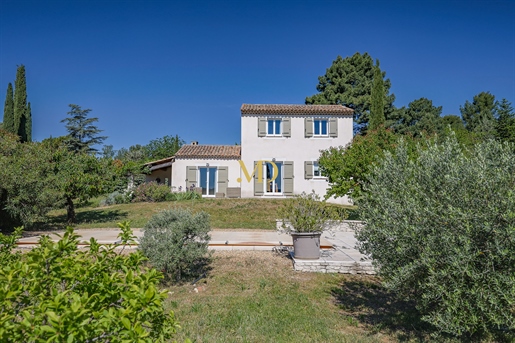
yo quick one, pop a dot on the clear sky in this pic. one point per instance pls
(153, 68)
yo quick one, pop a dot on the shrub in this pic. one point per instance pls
(176, 242)
(57, 293)
(306, 213)
(441, 229)
(116, 198)
(187, 195)
(151, 192)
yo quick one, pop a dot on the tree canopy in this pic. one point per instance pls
(440, 230)
(348, 81)
(419, 118)
(82, 133)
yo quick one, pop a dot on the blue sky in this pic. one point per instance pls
(153, 68)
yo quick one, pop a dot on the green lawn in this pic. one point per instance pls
(224, 213)
(256, 296)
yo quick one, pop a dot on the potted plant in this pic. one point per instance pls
(304, 217)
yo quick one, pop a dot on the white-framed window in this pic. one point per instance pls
(320, 127)
(316, 170)
(274, 127)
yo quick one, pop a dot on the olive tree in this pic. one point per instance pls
(440, 228)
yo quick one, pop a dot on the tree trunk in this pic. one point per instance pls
(70, 210)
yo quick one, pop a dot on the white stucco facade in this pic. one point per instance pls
(278, 156)
(180, 179)
(296, 148)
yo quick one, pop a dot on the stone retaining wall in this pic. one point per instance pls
(342, 226)
(342, 267)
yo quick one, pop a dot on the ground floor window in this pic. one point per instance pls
(208, 180)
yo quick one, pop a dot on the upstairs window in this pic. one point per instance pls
(320, 127)
(274, 127)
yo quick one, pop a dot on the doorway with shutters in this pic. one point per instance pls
(273, 186)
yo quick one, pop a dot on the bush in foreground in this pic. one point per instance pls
(441, 229)
(176, 242)
(57, 293)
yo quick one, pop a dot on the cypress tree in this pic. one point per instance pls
(377, 118)
(28, 123)
(8, 124)
(20, 104)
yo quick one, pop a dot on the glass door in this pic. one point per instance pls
(208, 180)
(273, 186)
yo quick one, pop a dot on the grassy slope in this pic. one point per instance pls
(255, 296)
(224, 213)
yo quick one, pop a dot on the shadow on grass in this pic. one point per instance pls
(371, 304)
(87, 217)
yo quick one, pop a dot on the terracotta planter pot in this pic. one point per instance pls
(306, 245)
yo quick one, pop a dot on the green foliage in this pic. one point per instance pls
(419, 119)
(78, 177)
(348, 82)
(151, 192)
(377, 100)
(82, 133)
(176, 242)
(479, 115)
(22, 116)
(57, 293)
(8, 123)
(306, 213)
(116, 198)
(347, 167)
(441, 229)
(505, 121)
(38, 177)
(162, 147)
(28, 182)
(182, 196)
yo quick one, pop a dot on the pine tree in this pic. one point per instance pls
(8, 123)
(348, 82)
(82, 134)
(377, 96)
(505, 125)
(419, 117)
(20, 103)
(479, 115)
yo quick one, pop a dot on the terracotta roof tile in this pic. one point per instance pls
(209, 151)
(295, 109)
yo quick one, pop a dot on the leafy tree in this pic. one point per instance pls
(59, 293)
(377, 118)
(348, 82)
(479, 115)
(22, 118)
(163, 147)
(28, 180)
(440, 229)
(347, 167)
(420, 118)
(505, 126)
(8, 123)
(80, 176)
(82, 132)
(108, 152)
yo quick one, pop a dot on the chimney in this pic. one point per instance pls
(194, 142)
